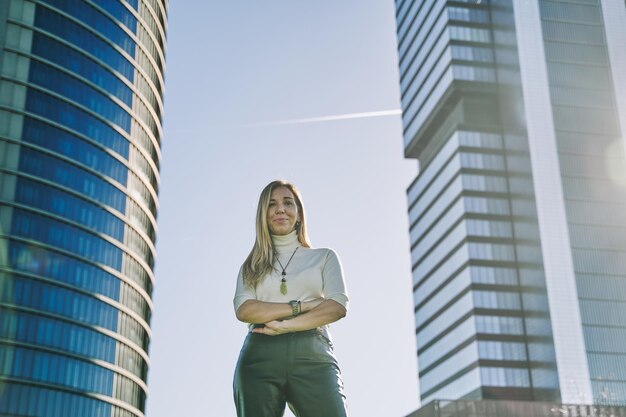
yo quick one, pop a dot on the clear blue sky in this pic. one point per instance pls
(231, 67)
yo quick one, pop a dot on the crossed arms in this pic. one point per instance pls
(277, 316)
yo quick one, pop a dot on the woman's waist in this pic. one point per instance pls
(323, 330)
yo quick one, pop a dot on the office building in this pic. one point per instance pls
(511, 408)
(81, 86)
(516, 112)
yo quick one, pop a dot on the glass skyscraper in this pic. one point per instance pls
(81, 99)
(516, 112)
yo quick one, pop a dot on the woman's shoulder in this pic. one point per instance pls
(322, 252)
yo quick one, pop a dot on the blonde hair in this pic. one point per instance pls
(260, 261)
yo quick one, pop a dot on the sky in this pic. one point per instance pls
(305, 91)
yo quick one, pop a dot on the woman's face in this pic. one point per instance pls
(282, 212)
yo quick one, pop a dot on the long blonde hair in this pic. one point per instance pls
(260, 261)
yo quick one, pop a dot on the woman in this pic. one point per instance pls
(289, 293)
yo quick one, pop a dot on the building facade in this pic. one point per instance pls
(509, 408)
(81, 99)
(516, 113)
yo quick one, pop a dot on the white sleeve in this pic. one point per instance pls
(243, 292)
(334, 286)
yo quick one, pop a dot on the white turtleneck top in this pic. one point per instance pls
(311, 274)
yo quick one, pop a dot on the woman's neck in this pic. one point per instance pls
(285, 243)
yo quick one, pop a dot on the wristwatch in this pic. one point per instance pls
(296, 307)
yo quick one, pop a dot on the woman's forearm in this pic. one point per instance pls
(259, 312)
(254, 311)
(327, 312)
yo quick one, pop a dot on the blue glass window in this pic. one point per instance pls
(64, 113)
(60, 370)
(608, 392)
(52, 79)
(465, 14)
(68, 206)
(498, 300)
(55, 23)
(499, 325)
(32, 259)
(64, 143)
(573, 32)
(120, 12)
(505, 377)
(73, 60)
(494, 275)
(68, 175)
(605, 287)
(71, 304)
(496, 350)
(94, 19)
(45, 331)
(603, 313)
(57, 300)
(42, 402)
(56, 233)
(73, 338)
(111, 30)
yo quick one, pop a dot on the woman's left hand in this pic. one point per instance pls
(272, 328)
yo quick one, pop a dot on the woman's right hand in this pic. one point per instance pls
(310, 305)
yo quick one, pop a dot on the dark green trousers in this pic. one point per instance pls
(298, 369)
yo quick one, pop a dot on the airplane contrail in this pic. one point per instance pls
(380, 113)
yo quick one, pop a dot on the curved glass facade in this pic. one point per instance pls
(81, 99)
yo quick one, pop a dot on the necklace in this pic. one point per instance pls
(283, 280)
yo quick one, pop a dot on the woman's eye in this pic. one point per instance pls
(272, 204)
(289, 203)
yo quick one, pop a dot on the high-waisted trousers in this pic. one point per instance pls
(298, 369)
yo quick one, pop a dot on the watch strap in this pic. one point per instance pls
(295, 307)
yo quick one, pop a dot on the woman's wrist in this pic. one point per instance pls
(296, 307)
(286, 327)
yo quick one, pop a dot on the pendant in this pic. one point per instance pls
(283, 286)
